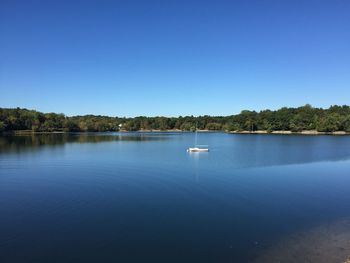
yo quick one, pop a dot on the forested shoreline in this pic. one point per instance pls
(335, 118)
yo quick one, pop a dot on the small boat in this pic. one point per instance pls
(198, 149)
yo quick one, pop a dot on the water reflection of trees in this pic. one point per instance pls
(17, 143)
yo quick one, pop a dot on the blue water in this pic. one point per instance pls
(140, 197)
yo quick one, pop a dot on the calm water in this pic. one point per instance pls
(142, 198)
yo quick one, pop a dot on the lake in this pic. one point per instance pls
(140, 197)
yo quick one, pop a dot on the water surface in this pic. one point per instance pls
(140, 197)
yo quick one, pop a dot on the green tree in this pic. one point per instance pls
(2, 126)
(330, 123)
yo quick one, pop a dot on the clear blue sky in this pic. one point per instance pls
(171, 58)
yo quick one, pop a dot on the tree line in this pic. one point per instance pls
(335, 118)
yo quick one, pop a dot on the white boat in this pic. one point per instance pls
(198, 148)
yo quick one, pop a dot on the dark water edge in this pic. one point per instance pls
(131, 197)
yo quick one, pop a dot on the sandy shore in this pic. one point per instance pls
(329, 243)
(173, 130)
(309, 132)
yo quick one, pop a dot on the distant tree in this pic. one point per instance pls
(334, 118)
(2, 126)
(188, 126)
(329, 123)
(345, 123)
(214, 126)
(70, 125)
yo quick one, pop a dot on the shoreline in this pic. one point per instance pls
(282, 132)
(306, 132)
